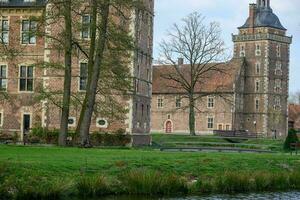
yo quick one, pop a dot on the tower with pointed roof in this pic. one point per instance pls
(263, 43)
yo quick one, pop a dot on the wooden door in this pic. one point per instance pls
(168, 127)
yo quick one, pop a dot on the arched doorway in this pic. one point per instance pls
(168, 127)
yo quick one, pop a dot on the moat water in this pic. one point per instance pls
(262, 196)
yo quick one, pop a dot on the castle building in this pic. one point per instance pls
(21, 79)
(257, 87)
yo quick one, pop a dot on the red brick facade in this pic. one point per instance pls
(15, 104)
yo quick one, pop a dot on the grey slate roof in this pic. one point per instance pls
(265, 18)
(21, 3)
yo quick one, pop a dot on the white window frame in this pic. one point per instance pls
(277, 103)
(6, 78)
(178, 102)
(74, 124)
(79, 76)
(160, 104)
(257, 49)
(101, 126)
(222, 125)
(210, 123)
(228, 128)
(22, 31)
(1, 31)
(278, 69)
(89, 28)
(278, 85)
(19, 78)
(210, 104)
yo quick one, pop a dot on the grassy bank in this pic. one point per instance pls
(36, 172)
(172, 140)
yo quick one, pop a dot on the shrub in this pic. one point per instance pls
(97, 139)
(291, 138)
(233, 182)
(147, 182)
(107, 139)
(93, 186)
(294, 179)
(35, 188)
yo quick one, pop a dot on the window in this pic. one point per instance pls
(142, 107)
(210, 122)
(28, 32)
(220, 127)
(278, 85)
(228, 127)
(277, 104)
(83, 76)
(86, 31)
(72, 122)
(4, 32)
(242, 51)
(26, 78)
(101, 123)
(257, 68)
(257, 104)
(257, 86)
(160, 102)
(278, 69)
(210, 102)
(278, 51)
(3, 78)
(178, 102)
(258, 50)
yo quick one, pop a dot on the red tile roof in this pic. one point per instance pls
(212, 81)
(294, 115)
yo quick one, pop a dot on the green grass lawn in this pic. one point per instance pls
(172, 140)
(52, 172)
(70, 162)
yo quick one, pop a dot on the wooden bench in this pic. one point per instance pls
(295, 147)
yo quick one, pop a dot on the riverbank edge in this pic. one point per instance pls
(143, 182)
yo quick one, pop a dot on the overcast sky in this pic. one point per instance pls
(231, 14)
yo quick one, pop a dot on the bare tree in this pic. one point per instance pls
(294, 98)
(202, 49)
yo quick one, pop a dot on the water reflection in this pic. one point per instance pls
(264, 196)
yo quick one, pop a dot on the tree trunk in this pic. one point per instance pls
(91, 91)
(68, 74)
(192, 115)
(92, 47)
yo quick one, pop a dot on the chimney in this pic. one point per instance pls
(180, 61)
(252, 14)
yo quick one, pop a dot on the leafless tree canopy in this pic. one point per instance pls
(201, 47)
